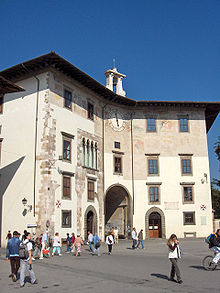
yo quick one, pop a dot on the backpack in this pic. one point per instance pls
(23, 251)
(207, 239)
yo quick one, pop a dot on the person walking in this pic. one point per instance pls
(174, 255)
(12, 254)
(68, 243)
(109, 241)
(140, 239)
(44, 242)
(134, 238)
(78, 243)
(26, 262)
(96, 240)
(90, 238)
(56, 245)
(73, 238)
(116, 235)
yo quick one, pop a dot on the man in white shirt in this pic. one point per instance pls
(134, 238)
(90, 238)
(26, 263)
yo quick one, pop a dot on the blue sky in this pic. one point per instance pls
(169, 50)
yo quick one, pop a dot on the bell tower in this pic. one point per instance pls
(114, 81)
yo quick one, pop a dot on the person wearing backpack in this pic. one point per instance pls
(12, 254)
(214, 245)
(109, 241)
(26, 260)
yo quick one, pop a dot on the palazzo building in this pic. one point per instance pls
(78, 156)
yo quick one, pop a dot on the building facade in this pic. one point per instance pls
(77, 156)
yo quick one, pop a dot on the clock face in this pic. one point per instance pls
(116, 120)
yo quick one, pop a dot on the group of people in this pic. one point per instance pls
(19, 252)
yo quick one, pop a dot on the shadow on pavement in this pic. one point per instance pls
(160, 276)
(197, 267)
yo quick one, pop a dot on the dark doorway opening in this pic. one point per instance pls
(90, 222)
(118, 211)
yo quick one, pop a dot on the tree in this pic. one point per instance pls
(216, 182)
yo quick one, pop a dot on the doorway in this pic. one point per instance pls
(155, 225)
(90, 221)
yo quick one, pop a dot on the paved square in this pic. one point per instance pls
(126, 270)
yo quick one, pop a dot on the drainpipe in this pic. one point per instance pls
(36, 130)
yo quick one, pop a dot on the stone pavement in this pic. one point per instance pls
(126, 270)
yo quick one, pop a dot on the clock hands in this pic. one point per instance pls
(116, 116)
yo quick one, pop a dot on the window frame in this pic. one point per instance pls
(150, 158)
(65, 138)
(115, 172)
(149, 194)
(70, 187)
(148, 118)
(90, 117)
(187, 157)
(89, 181)
(71, 101)
(70, 216)
(184, 220)
(180, 117)
(193, 196)
(117, 143)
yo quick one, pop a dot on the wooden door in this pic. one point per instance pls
(90, 226)
(154, 225)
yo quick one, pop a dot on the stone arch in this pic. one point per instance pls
(118, 209)
(163, 227)
(95, 219)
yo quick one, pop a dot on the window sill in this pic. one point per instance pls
(66, 227)
(189, 224)
(187, 174)
(90, 200)
(153, 175)
(154, 203)
(119, 174)
(188, 202)
(90, 168)
(70, 109)
(67, 161)
(66, 198)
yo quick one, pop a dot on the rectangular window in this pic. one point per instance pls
(67, 99)
(184, 124)
(90, 111)
(187, 194)
(153, 166)
(117, 145)
(91, 189)
(66, 187)
(117, 165)
(1, 104)
(66, 149)
(151, 124)
(66, 219)
(154, 194)
(189, 218)
(186, 166)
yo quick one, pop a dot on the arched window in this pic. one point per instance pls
(92, 154)
(95, 156)
(83, 152)
(87, 153)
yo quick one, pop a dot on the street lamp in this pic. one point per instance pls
(24, 202)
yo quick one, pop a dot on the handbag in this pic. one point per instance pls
(97, 245)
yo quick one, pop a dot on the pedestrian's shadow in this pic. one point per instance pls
(160, 276)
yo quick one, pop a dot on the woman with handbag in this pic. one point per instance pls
(174, 255)
(109, 241)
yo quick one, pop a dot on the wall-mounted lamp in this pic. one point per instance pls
(205, 179)
(24, 202)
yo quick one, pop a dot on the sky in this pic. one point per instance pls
(169, 50)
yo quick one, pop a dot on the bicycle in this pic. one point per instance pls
(208, 263)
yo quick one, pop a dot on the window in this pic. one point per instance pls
(183, 122)
(153, 166)
(189, 218)
(154, 194)
(117, 165)
(151, 124)
(89, 153)
(68, 99)
(187, 194)
(66, 219)
(66, 187)
(91, 190)
(66, 149)
(117, 145)
(1, 104)
(90, 111)
(186, 166)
